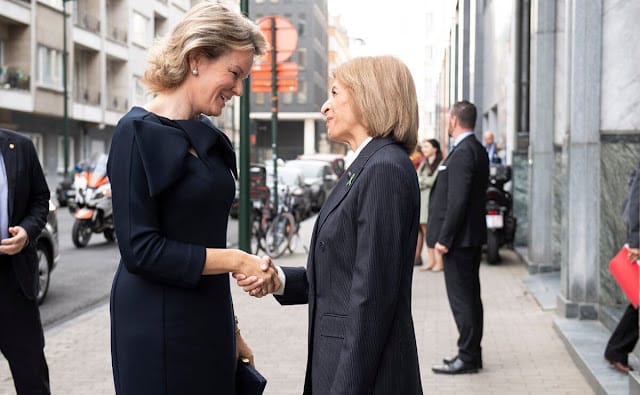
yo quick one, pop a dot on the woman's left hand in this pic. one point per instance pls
(242, 349)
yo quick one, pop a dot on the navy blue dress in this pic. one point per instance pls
(172, 329)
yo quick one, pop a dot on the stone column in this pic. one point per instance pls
(578, 297)
(541, 156)
(309, 136)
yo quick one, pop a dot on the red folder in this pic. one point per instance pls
(625, 272)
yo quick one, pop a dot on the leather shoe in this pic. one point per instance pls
(449, 361)
(457, 366)
(621, 366)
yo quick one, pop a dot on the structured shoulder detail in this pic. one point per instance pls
(163, 150)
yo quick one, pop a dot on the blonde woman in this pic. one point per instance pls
(172, 174)
(357, 281)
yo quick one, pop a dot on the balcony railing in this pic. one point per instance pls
(14, 78)
(118, 103)
(116, 33)
(88, 22)
(86, 96)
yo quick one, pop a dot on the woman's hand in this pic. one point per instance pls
(242, 349)
(257, 275)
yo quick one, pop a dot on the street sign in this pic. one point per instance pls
(286, 74)
(286, 37)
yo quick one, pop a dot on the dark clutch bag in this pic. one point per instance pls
(248, 380)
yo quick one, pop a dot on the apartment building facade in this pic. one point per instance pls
(301, 127)
(106, 42)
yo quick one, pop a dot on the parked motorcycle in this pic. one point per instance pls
(94, 209)
(501, 224)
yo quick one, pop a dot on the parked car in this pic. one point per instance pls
(48, 252)
(319, 176)
(291, 180)
(335, 160)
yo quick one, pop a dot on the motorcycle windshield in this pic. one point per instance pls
(98, 170)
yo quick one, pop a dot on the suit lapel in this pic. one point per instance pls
(9, 155)
(350, 178)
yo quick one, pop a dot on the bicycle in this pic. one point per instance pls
(282, 227)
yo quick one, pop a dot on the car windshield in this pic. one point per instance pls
(310, 168)
(285, 177)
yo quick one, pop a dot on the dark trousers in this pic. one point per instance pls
(462, 279)
(624, 337)
(21, 336)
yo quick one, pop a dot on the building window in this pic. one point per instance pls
(184, 4)
(301, 26)
(72, 159)
(139, 96)
(259, 98)
(139, 33)
(302, 92)
(1, 52)
(275, 1)
(49, 67)
(36, 139)
(302, 58)
(53, 3)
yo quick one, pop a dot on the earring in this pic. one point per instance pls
(194, 71)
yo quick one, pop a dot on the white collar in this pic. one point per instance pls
(461, 137)
(352, 155)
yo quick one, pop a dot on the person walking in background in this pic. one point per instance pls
(457, 229)
(359, 274)
(172, 175)
(24, 205)
(624, 338)
(427, 172)
(488, 140)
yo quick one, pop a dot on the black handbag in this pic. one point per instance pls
(248, 380)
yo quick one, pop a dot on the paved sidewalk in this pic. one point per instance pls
(522, 352)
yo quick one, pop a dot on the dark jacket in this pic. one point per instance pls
(28, 203)
(172, 329)
(358, 279)
(458, 198)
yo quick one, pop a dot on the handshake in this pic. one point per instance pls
(258, 276)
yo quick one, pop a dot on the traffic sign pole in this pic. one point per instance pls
(274, 113)
(244, 241)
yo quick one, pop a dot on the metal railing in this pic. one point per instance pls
(118, 103)
(85, 96)
(116, 33)
(87, 22)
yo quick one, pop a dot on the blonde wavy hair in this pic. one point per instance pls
(384, 97)
(210, 28)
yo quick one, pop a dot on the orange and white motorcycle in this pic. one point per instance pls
(94, 209)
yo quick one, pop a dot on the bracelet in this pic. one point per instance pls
(237, 327)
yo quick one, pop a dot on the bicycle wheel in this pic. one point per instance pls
(278, 235)
(255, 238)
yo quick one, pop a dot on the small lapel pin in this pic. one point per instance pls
(351, 177)
(11, 146)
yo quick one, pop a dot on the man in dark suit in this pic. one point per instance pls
(24, 205)
(624, 338)
(457, 230)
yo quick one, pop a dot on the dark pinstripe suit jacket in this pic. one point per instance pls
(358, 279)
